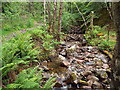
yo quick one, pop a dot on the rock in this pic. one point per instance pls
(105, 66)
(105, 81)
(72, 68)
(103, 75)
(90, 82)
(95, 52)
(90, 67)
(61, 58)
(75, 54)
(96, 85)
(86, 87)
(70, 57)
(90, 63)
(62, 77)
(64, 88)
(89, 55)
(102, 57)
(86, 73)
(84, 42)
(80, 57)
(78, 50)
(94, 78)
(90, 47)
(73, 47)
(75, 81)
(63, 53)
(47, 75)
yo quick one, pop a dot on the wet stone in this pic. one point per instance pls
(90, 63)
(78, 66)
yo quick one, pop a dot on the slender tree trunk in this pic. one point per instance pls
(115, 65)
(49, 17)
(92, 22)
(85, 23)
(59, 20)
(45, 12)
(54, 16)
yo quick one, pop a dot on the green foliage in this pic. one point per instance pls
(72, 16)
(45, 39)
(24, 49)
(68, 20)
(16, 24)
(18, 50)
(31, 78)
(18, 15)
(98, 37)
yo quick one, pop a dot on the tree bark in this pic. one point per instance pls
(115, 65)
(59, 20)
(54, 16)
(49, 17)
(45, 12)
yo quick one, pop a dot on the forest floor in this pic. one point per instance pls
(78, 65)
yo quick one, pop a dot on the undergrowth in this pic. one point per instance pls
(31, 78)
(99, 37)
(30, 47)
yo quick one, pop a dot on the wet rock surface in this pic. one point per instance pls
(79, 66)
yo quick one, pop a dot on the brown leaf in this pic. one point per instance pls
(80, 61)
(66, 63)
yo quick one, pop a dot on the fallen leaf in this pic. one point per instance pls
(80, 61)
(109, 54)
(100, 34)
(83, 82)
(66, 63)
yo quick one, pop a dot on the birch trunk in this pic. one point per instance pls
(44, 12)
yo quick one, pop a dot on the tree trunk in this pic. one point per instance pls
(49, 17)
(59, 20)
(44, 12)
(115, 65)
(54, 16)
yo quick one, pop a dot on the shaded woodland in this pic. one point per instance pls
(60, 45)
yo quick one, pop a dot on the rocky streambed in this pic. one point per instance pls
(78, 66)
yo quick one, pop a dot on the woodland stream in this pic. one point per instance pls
(78, 65)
